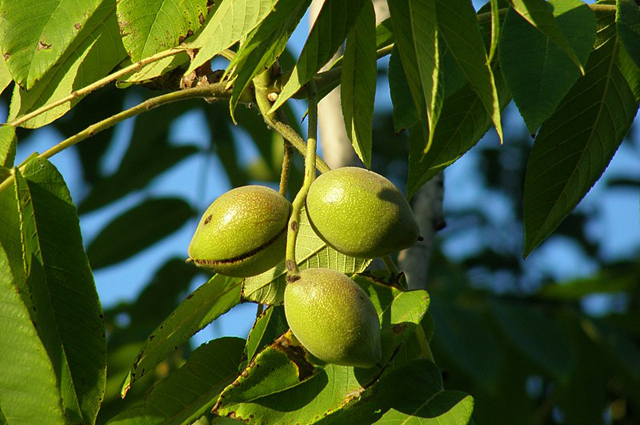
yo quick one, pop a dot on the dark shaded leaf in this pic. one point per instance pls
(463, 121)
(540, 74)
(575, 145)
(628, 27)
(192, 390)
(137, 229)
(200, 308)
(405, 114)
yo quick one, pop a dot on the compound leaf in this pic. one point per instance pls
(328, 33)
(575, 145)
(537, 71)
(230, 23)
(458, 25)
(94, 52)
(191, 391)
(200, 308)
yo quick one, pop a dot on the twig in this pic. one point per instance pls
(211, 91)
(309, 176)
(100, 83)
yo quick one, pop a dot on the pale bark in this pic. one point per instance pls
(427, 206)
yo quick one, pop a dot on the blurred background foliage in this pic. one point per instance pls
(554, 339)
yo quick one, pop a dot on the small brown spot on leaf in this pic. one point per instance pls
(208, 219)
(42, 45)
(294, 226)
(6, 56)
(201, 18)
(290, 265)
(189, 296)
(77, 26)
(399, 328)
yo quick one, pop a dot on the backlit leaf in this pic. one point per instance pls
(94, 52)
(328, 33)
(35, 35)
(358, 82)
(265, 44)
(7, 145)
(232, 21)
(458, 25)
(311, 251)
(151, 26)
(540, 14)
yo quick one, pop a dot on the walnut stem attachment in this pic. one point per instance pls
(309, 176)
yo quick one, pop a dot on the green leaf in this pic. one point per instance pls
(541, 74)
(424, 26)
(282, 365)
(23, 359)
(623, 277)
(540, 14)
(328, 33)
(154, 70)
(137, 229)
(5, 76)
(628, 27)
(463, 121)
(422, 399)
(200, 308)
(35, 35)
(311, 251)
(151, 26)
(8, 143)
(404, 48)
(536, 335)
(358, 82)
(268, 326)
(466, 339)
(192, 390)
(94, 52)
(264, 44)
(230, 23)
(495, 28)
(458, 25)
(575, 145)
(405, 114)
(61, 291)
(279, 383)
(418, 45)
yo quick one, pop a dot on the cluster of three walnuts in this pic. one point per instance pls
(357, 212)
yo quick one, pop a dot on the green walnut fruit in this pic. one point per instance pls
(360, 213)
(333, 318)
(242, 233)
